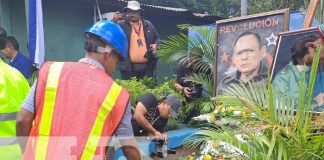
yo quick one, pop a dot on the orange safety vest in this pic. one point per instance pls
(78, 107)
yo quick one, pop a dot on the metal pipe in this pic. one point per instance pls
(99, 13)
(244, 7)
(94, 13)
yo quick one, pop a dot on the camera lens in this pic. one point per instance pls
(162, 150)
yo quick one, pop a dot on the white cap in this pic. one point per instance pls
(133, 5)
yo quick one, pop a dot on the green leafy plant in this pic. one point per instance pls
(259, 6)
(138, 88)
(32, 78)
(200, 46)
(285, 131)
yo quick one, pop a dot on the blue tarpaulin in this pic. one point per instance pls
(297, 20)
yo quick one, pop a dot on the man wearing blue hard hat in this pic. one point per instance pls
(81, 101)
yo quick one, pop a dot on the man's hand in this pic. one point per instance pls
(117, 16)
(157, 134)
(320, 99)
(187, 91)
(153, 47)
(130, 148)
(24, 122)
(154, 135)
(139, 117)
(165, 138)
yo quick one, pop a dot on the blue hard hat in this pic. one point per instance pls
(112, 34)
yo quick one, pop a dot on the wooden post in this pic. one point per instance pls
(310, 13)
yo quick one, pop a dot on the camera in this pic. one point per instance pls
(161, 150)
(195, 91)
(125, 16)
(151, 56)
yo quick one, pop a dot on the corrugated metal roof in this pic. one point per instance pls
(162, 7)
(168, 8)
(162, 10)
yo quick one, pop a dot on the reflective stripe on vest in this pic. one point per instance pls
(46, 120)
(8, 116)
(105, 110)
(8, 141)
(96, 130)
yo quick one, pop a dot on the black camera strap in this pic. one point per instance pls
(154, 120)
(137, 30)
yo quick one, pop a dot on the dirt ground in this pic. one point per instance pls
(180, 152)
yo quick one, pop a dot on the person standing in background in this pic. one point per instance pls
(13, 90)
(17, 59)
(3, 36)
(143, 42)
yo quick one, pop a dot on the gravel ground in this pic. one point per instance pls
(181, 152)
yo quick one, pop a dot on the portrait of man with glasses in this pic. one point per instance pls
(247, 66)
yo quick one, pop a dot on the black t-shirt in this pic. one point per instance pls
(150, 102)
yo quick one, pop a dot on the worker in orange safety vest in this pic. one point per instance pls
(78, 106)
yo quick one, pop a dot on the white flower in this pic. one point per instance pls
(203, 117)
(237, 113)
(240, 137)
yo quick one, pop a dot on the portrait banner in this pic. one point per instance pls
(245, 47)
(286, 41)
(293, 61)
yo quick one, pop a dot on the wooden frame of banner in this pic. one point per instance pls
(285, 12)
(310, 13)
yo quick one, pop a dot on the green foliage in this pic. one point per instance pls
(201, 49)
(204, 80)
(222, 8)
(32, 78)
(286, 133)
(259, 6)
(231, 8)
(149, 82)
(138, 88)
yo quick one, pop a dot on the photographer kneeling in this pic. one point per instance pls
(191, 90)
(151, 116)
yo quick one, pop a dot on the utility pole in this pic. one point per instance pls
(243, 7)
